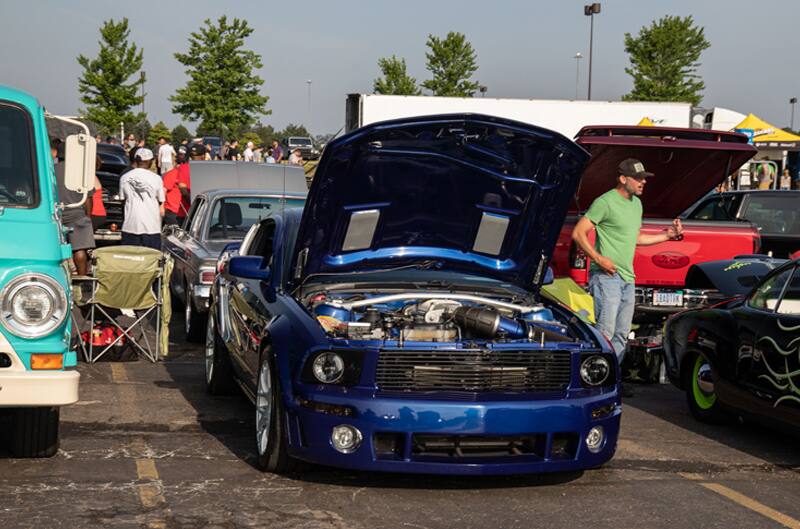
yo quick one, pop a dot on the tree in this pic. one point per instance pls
(141, 129)
(104, 85)
(265, 133)
(452, 62)
(158, 130)
(251, 136)
(664, 61)
(395, 80)
(294, 130)
(222, 92)
(180, 133)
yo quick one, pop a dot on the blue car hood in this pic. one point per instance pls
(466, 193)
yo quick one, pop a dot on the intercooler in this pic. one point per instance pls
(473, 370)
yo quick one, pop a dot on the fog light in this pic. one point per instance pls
(594, 439)
(345, 439)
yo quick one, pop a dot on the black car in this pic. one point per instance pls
(775, 213)
(742, 355)
(115, 161)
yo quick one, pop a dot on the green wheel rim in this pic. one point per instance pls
(702, 400)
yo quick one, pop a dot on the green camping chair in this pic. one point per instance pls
(127, 282)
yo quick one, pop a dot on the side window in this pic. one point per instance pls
(717, 208)
(197, 220)
(767, 295)
(774, 213)
(790, 303)
(262, 242)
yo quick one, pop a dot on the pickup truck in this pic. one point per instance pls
(218, 217)
(775, 214)
(687, 163)
(37, 368)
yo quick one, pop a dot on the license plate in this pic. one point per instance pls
(668, 299)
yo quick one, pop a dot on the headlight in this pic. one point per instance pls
(328, 367)
(595, 370)
(33, 305)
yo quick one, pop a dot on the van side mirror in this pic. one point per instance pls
(79, 160)
(249, 267)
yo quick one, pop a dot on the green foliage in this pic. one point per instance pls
(251, 136)
(323, 139)
(158, 130)
(395, 80)
(180, 133)
(293, 130)
(265, 133)
(222, 92)
(140, 129)
(104, 85)
(664, 61)
(452, 62)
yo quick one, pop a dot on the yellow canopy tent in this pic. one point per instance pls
(646, 122)
(768, 136)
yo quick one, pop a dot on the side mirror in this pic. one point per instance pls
(79, 160)
(249, 267)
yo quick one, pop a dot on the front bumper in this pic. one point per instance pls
(550, 421)
(38, 388)
(107, 235)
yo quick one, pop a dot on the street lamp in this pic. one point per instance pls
(792, 102)
(309, 105)
(142, 80)
(590, 11)
(577, 58)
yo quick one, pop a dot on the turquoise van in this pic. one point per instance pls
(37, 369)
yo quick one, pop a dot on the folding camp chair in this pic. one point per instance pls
(127, 282)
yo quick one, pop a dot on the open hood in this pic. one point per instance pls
(687, 164)
(469, 193)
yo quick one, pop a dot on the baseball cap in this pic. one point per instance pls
(633, 168)
(144, 155)
(197, 149)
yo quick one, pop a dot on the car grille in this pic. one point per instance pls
(473, 370)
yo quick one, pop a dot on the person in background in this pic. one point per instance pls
(130, 143)
(80, 233)
(766, 174)
(247, 155)
(296, 158)
(786, 179)
(616, 217)
(98, 139)
(269, 158)
(165, 160)
(143, 193)
(233, 151)
(98, 211)
(258, 154)
(182, 152)
(177, 188)
(277, 151)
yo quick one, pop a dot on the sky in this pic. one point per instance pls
(525, 49)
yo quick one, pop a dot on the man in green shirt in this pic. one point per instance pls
(616, 216)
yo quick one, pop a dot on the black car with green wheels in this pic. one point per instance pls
(741, 357)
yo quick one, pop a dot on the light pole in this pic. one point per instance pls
(792, 102)
(309, 105)
(590, 11)
(577, 58)
(142, 79)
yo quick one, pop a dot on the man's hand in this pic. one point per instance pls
(675, 232)
(606, 264)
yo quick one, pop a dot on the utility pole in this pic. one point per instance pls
(578, 57)
(309, 106)
(792, 102)
(142, 79)
(590, 11)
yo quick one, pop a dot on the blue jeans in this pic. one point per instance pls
(613, 308)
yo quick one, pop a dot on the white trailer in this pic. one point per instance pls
(564, 116)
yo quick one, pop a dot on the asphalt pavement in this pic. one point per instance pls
(146, 447)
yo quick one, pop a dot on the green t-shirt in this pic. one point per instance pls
(617, 222)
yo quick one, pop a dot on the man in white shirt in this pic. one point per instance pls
(247, 155)
(143, 193)
(166, 155)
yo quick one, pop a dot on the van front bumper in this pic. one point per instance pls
(38, 388)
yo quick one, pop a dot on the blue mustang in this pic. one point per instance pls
(396, 323)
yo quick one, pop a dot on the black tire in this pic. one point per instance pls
(274, 455)
(34, 432)
(194, 324)
(703, 402)
(219, 372)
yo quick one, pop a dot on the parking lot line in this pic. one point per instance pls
(150, 492)
(118, 373)
(744, 501)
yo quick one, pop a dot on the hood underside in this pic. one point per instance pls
(686, 163)
(477, 194)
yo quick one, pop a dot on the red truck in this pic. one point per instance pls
(687, 164)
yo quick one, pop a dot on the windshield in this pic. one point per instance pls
(17, 174)
(214, 142)
(232, 217)
(300, 141)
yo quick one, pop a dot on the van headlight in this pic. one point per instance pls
(32, 305)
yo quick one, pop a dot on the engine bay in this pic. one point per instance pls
(435, 317)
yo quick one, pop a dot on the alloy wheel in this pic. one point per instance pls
(702, 383)
(264, 407)
(209, 350)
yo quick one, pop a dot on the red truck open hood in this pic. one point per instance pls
(687, 163)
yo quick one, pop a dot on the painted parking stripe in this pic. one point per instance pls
(744, 501)
(150, 491)
(118, 373)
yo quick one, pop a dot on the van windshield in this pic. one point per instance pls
(17, 175)
(305, 142)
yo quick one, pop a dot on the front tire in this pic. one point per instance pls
(219, 372)
(34, 432)
(272, 448)
(700, 391)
